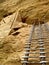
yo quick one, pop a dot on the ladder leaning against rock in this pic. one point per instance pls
(40, 38)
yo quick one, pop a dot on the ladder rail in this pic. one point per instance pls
(40, 41)
(41, 50)
(29, 41)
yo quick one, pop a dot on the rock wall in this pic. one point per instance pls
(17, 15)
(29, 10)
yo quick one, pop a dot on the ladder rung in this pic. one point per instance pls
(34, 49)
(28, 62)
(36, 43)
(34, 57)
(34, 62)
(43, 61)
(40, 41)
(27, 43)
(29, 57)
(42, 56)
(24, 62)
(30, 53)
(41, 45)
(42, 52)
(42, 48)
(27, 49)
(34, 52)
(32, 42)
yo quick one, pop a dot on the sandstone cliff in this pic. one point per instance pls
(28, 10)
(15, 19)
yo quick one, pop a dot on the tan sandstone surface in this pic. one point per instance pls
(12, 41)
(29, 10)
(15, 27)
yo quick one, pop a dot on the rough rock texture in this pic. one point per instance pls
(14, 29)
(29, 11)
(12, 42)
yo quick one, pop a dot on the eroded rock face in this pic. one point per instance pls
(29, 11)
(14, 29)
(12, 42)
(12, 47)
